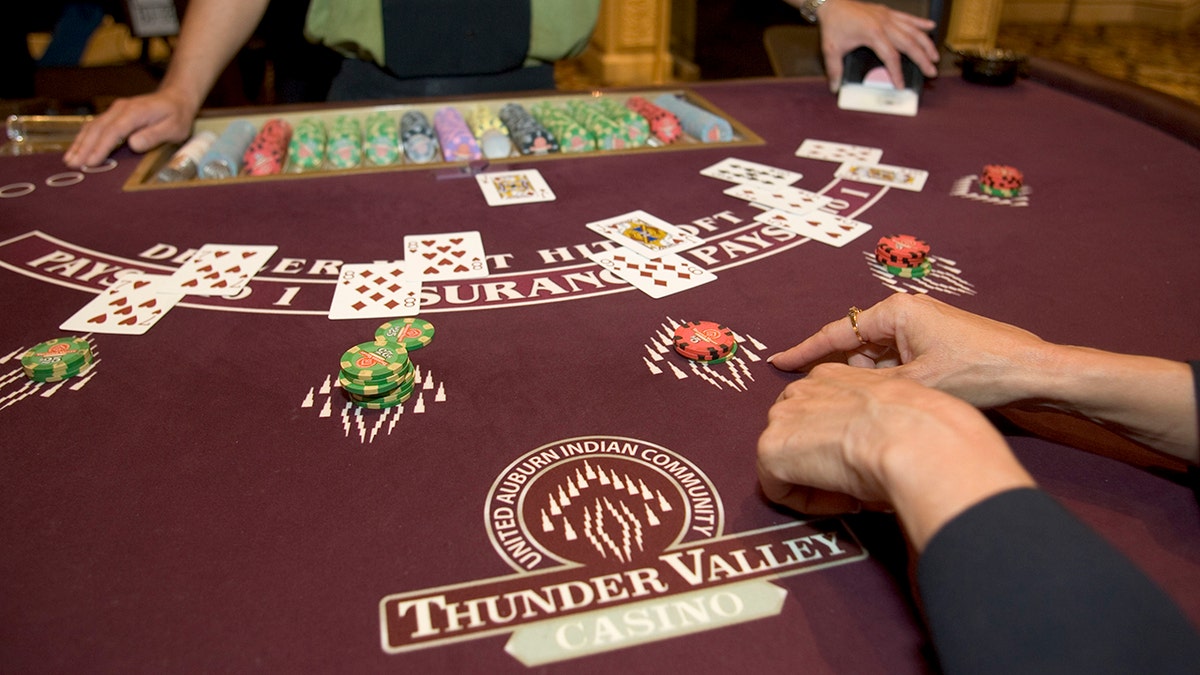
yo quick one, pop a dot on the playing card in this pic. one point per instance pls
(453, 255)
(791, 199)
(825, 227)
(867, 86)
(646, 234)
(740, 171)
(838, 152)
(514, 187)
(220, 269)
(375, 290)
(130, 306)
(659, 278)
(884, 174)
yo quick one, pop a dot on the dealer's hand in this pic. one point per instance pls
(143, 122)
(984, 362)
(843, 438)
(847, 25)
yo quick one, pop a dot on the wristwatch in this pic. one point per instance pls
(809, 9)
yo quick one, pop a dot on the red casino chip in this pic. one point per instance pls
(1001, 181)
(901, 250)
(703, 340)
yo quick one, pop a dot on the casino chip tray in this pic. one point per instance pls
(281, 145)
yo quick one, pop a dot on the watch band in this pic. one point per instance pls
(809, 9)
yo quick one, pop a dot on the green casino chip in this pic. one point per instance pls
(409, 331)
(388, 400)
(75, 372)
(373, 362)
(355, 387)
(55, 358)
(909, 272)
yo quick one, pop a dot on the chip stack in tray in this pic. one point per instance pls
(663, 123)
(705, 341)
(306, 151)
(903, 255)
(267, 153)
(998, 180)
(57, 359)
(530, 136)
(571, 135)
(379, 374)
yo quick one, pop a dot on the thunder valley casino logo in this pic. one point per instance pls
(615, 542)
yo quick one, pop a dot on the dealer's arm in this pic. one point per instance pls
(210, 36)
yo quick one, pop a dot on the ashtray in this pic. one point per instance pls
(995, 67)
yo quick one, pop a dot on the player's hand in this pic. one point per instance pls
(143, 122)
(847, 25)
(984, 362)
(845, 438)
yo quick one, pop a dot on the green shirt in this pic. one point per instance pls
(559, 28)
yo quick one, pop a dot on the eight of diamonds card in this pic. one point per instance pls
(514, 187)
(658, 278)
(130, 306)
(825, 227)
(737, 170)
(220, 269)
(453, 255)
(838, 152)
(791, 199)
(375, 290)
(883, 174)
(646, 234)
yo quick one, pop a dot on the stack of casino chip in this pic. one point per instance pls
(609, 133)
(571, 135)
(705, 341)
(224, 157)
(457, 141)
(637, 129)
(184, 164)
(530, 136)
(1001, 181)
(57, 359)
(903, 255)
(380, 374)
(418, 138)
(382, 139)
(267, 153)
(663, 123)
(306, 152)
(343, 148)
(696, 121)
(489, 131)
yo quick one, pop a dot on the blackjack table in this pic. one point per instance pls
(561, 490)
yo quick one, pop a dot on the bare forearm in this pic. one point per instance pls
(212, 33)
(1148, 400)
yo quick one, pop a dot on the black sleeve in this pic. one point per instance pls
(1017, 585)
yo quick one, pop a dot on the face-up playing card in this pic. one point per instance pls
(646, 234)
(220, 269)
(130, 306)
(791, 199)
(825, 227)
(514, 187)
(659, 278)
(740, 171)
(374, 291)
(838, 152)
(453, 255)
(884, 174)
